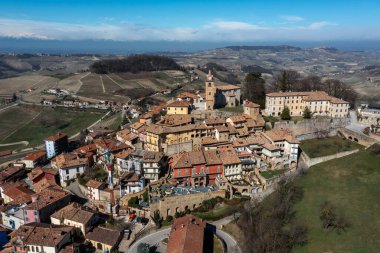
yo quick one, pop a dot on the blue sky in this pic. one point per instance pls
(207, 20)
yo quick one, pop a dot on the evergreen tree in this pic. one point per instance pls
(157, 218)
(307, 113)
(285, 114)
(254, 88)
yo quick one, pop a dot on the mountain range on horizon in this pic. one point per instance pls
(25, 45)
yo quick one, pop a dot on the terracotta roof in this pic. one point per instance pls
(152, 157)
(335, 100)
(35, 156)
(104, 235)
(9, 172)
(19, 192)
(56, 137)
(110, 144)
(212, 157)
(229, 157)
(241, 142)
(288, 94)
(251, 104)
(240, 118)
(137, 125)
(178, 103)
(175, 120)
(74, 212)
(94, 184)
(48, 236)
(124, 153)
(187, 95)
(74, 162)
(40, 171)
(309, 96)
(281, 135)
(228, 87)
(186, 235)
(86, 148)
(215, 121)
(147, 115)
(48, 196)
(192, 158)
(270, 147)
(155, 129)
(222, 129)
(43, 184)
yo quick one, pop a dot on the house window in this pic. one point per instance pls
(207, 170)
(194, 171)
(77, 169)
(33, 248)
(67, 171)
(37, 249)
(99, 246)
(179, 173)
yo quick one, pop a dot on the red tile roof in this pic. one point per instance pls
(251, 104)
(35, 156)
(94, 184)
(104, 235)
(178, 103)
(56, 137)
(186, 235)
(48, 196)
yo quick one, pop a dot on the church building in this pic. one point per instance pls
(221, 96)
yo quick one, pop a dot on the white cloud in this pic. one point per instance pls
(219, 30)
(319, 25)
(235, 25)
(292, 18)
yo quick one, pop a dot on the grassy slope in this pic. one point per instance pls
(64, 120)
(327, 146)
(352, 185)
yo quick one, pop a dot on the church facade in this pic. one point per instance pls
(221, 96)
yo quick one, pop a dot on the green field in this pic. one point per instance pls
(327, 146)
(351, 184)
(34, 123)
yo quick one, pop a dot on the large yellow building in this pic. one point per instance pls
(160, 137)
(178, 107)
(318, 102)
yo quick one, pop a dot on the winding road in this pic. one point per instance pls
(158, 236)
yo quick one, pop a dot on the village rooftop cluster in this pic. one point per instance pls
(178, 154)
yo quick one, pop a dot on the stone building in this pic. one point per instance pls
(221, 96)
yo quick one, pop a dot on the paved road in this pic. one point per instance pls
(156, 237)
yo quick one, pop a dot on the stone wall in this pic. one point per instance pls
(179, 203)
(308, 127)
(313, 161)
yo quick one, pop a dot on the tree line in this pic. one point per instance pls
(135, 64)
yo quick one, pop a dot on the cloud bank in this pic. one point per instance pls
(219, 30)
